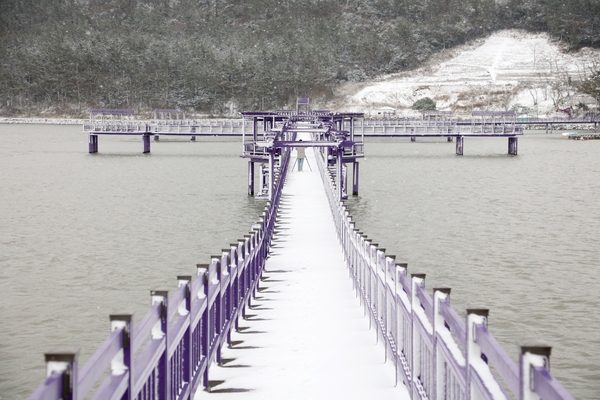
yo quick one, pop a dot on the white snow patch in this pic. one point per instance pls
(509, 67)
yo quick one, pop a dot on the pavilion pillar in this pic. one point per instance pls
(93, 146)
(250, 178)
(355, 178)
(339, 173)
(146, 139)
(513, 146)
(460, 140)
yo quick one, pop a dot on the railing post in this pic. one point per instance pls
(123, 362)
(205, 321)
(417, 279)
(475, 316)
(532, 354)
(185, 309)
(65, 364)
(160, 332)
(439, 294)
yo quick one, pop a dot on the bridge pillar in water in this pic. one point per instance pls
(513, 146)
(93, 147)
(413, 139)
(450, 139)
(355, 178)
(146, 139)
(460, 145)
(156, 138)
(250, 178)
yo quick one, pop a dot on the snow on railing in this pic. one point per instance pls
(437, 354)
(167, 355)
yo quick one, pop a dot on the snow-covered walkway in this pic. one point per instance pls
(305, 336)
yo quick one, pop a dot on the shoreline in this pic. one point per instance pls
(43, 121)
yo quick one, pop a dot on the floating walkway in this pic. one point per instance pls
(306, 336)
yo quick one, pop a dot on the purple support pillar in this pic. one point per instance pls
(146, 139)
(355, 178)
(65, 364)
(460, 140)
(513, 146)
(93, 146)
(250, 178)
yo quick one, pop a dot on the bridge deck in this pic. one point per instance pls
(305, 336)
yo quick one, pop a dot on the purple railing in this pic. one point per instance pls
(167, 355)
(437, 354)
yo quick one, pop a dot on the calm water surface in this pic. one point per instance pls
(83, 236)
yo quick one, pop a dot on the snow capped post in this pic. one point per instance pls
(63, 366)
(123, 361)
(534, 374)
(531, 355)
(417, 279)
(160, 332)
(475, 316)
(439, 294)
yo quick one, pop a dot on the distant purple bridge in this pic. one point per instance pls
(432, 124)
(168, 354)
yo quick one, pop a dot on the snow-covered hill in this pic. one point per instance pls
(508, 70)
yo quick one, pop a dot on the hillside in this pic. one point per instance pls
(61, 57)
(511, 69)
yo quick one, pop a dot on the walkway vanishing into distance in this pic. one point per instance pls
(306, 335)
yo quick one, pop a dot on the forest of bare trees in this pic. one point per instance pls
(65, 56)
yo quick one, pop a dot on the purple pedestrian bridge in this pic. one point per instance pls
(173, 123)
(169, 354)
